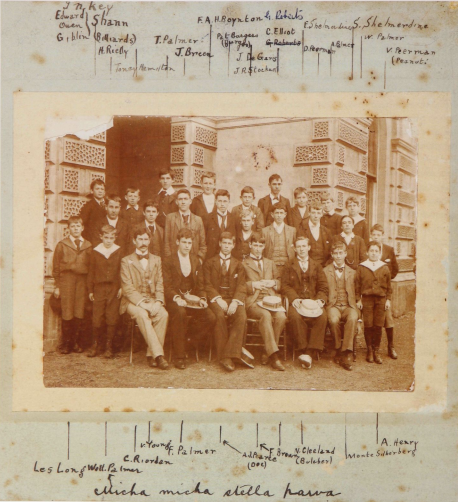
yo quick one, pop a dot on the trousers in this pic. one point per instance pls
(301, 327)
(153, 330)
(271, 325)
(229, 333)
(349, 316)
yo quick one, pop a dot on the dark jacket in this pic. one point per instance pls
(362, 230)
(122, 233)
(156, 241)
(332, 223)
(296, 218)
(356, 250)
(103, 269)
(236, 211)
(389, 257)
(199, 208)
(213, 279)
(370, 282)
(173, 224)
(291, 281)
(265, 205)
(91, 213)
(166, 206)
(349, 275)
(213, 231)
(171, 271)
(241, 248)
(319, 250)
(66, 258)
(132, 216)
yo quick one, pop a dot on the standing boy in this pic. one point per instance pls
(299, 212)
(113, 208)
(262, 279)
(361, 228)
(388, 257)
(266, 203)
(318, 236)
(165, 198)
(330, 219)
(225, 286)
(373, 292)
(104, 287)
(132, 213)
(219, 221)
(247, 197)
(182, 276)
(94, 210)
(243, 235)
(204, 204)
(355, 247)
(183, 218)
(155, 232)
(69, 269)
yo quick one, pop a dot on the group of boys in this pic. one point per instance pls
(177, 259)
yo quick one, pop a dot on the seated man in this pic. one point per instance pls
(303, 278)
(341, 304)
(263, 280)
(226, 289)
(143, 296)
(183, 276)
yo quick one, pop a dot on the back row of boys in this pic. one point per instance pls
(206, 218)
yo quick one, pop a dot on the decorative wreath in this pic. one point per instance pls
(264, 156)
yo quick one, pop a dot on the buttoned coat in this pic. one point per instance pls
(166, 205)
(357, 248)
(389, 257)
(296, 218)
(131, 280)
(349, 275)
(332, 222)
(253, 274)
(172, 277)
(236, 211)
(325, 235)
(265, 205)
(291, 281)
(213, 231)
(213, 279)
(122, 233)
(199, 208)
(90, 213)
(269, 234)
(173, 223)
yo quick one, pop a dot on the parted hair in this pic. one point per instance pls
(183, 190)
(257, 237)
(114, 198)
(279, 205)
(326, 196)
(338, 245)
(378, 228)
(222, 193)
(184, 233)
(132, 189)
(108, 229)
(316, 205)
(139, 230)
(245, 213)
(299, 190)
(247, 189)
(301, 238)
(347, 216)
(274, 177)
(373, 243)
(75, 219)
(226, 235)
(150, 203)
(164, 172)
(97, 182)
(210, 176)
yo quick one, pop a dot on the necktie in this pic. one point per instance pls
(223, 221)
(304, 265)
(162, 194)
(339, 269)
(102, 203)
(258, 263)
(78, 244)
(151, 229)
(225, 265)
(186, 219)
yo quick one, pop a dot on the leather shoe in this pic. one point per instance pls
(275, 363)
(151, 362)
(179, 363)
(369, 356)
(392, 352)
(264, 358)
(162, 363)
(306, 361)
(227, 364)
(377, 358)
(346, 366)
(346, 360)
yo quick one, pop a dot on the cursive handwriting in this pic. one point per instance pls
(110, 490)
(309, 493)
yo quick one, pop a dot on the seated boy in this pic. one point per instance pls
(219, 221)
(225, 286)
(104, 287)
(113, 208)
(388, 257)
(330, 219)
(262, 280)
(299, 212)
(69, 269)
(204, 204)
(131, 213)
(356, 249)
(360, 228)
(247, 197)
(279, 238)
(183, 275)
(243, 235)
(373, 292)
(318, 236)
(94, 210)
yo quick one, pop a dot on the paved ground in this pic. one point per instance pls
(77, 370)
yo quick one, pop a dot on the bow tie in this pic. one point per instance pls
(255, 259)
(143, 256)
(224, 259)
(340, 269)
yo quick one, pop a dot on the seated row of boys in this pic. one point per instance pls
(226, 291)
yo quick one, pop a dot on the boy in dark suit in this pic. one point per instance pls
(155, 232)
(330, 219)
(204, 204)
(94, 210)
(265, 204)
(104, 287)
(226, 289)
(132, 213)
(165, 198)
(303, 279)
(243, 235)
(113, 208)
(388, 257)
(221, 220)
(355, 247)
(183, 275)
(299, 212)
(69, 269)
(373, 292)
(318, 236)
(361, 229)
(247, 196)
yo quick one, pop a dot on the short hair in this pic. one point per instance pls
(226, 235)
(247, 189)
(222, 193)
(150, 203)
(373, 243)
(139, 230)
(338, 245)
(326, 196)
(210, 176)
(184, 233)
(257, 237)
(353, 199)
(274, 177)
(279, 205)
(378, 228)
(301, 238)
(114, 198)
(316, 205)
(132, 189)
(97, 182)
(164, 172)
(75, 219)
(108, 229)
(299, 190)
(183, 190)
(245, 213)
(347, 216)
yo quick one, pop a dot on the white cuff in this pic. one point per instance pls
(214, 299)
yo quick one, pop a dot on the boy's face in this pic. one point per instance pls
(247, 223)
(208, 184)
(328, 205)
(75, 229)
(247, 199)
(166, 181)
(339, 256)
(373, 253)
(142, 242)
(279, 216)
(257, 248)
(98, 191)
(113, 209)
(184, 245)
(150, 214)
(315, 215)
(226, 246)
(108, 239)
(183, 202)
(352, 208)
(275, 187)
(302, 249)
(347, 225)
(302, 199)
(376, 236)
(133, 198)
(222, 203)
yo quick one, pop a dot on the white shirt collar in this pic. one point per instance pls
(338, 266)
(373, 265)
(184, 214)
(107, 252)
(138, 252)
(169, 191)
(302, 210)
(278, 228)
(115, 221)
(246, 235)
(311, 225)
(99, 201)
(275, 197)
(150, 224)
(346, 237)
(331, 212)
(185, 264)
(224, 257)
(132, 207)
(73, 239)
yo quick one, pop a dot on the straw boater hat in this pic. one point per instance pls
(192, 301)
(309, 308)
(272, 303)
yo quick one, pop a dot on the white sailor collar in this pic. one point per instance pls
(373, 265)
(107, 252)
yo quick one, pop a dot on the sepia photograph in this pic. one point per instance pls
(231, 253)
